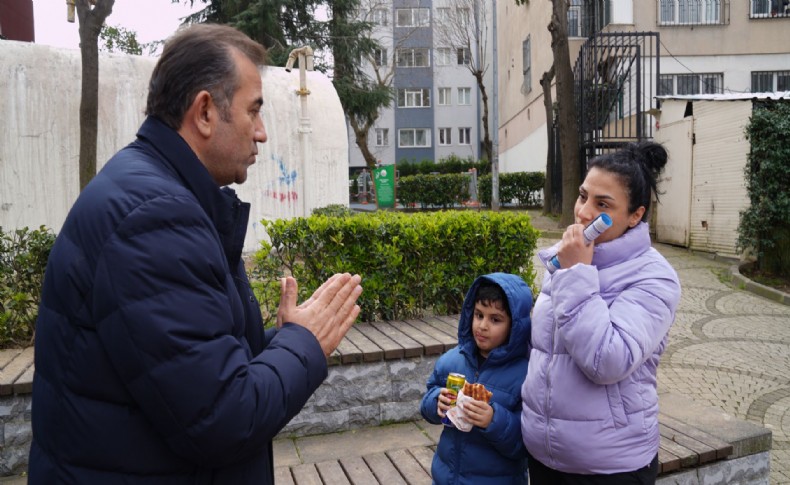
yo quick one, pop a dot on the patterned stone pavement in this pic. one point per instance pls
(729, 349)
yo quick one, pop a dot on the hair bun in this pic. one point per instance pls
(652, 156)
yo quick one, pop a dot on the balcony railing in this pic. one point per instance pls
(768, 9)
(693, 12)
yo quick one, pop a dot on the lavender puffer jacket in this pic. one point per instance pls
(589, 400)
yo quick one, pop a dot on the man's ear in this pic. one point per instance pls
(202, 113)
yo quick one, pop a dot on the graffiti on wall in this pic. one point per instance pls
(283, 189)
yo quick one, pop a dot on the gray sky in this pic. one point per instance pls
(150, 19)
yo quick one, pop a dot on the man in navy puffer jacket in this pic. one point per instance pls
(152, 365)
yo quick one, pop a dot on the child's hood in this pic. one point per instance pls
(519, 299)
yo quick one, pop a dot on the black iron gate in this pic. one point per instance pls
(616, 78)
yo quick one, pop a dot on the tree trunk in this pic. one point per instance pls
(568, 128)
(361, 139)
(91, 20)
(549, 206)
(488, 144)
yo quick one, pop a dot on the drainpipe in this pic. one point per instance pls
(305, 56)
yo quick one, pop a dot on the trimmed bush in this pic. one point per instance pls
(410, 263)
(23, 260)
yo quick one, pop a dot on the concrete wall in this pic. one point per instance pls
(303, 165)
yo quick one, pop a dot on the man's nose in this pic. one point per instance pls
(260, 131)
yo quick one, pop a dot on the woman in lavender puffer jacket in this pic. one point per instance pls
(599, 327)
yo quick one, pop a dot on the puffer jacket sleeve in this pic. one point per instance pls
(504, 432)
(168, 323)
(436, 381)
(608, 343)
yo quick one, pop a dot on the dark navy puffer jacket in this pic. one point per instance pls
(496, 454)
(152, 366)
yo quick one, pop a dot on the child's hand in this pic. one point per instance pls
(478, 413)
(446, 396)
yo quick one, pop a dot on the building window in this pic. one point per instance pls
(380, 57)
(464, 96)
(414, 137)
(711, 83)
(444, 97)
(770, 8)
(443, 56)
(379, 16)
(442, 16)
(464, 136)
(412, 17)
(414, 98)
(382, 137)
(412, 58)
(689, 12)
(445, 136)
(464, 56)
(770, 81)
(526, 57)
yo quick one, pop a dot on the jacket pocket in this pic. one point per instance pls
(616, 406)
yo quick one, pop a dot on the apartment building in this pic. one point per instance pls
(436, 108)
(674, 47)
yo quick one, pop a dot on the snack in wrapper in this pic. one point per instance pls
(476, 391)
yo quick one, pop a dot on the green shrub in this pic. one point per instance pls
(519, 188)
(23, 260)
(765, 225)
(409, 263)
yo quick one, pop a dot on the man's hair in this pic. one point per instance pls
(490, 293)
(197, 58)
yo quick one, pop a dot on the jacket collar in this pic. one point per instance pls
(228, 214)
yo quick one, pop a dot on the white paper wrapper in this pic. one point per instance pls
(456, 414)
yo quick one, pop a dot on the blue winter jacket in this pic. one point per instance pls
(152, 366)
(496, 454)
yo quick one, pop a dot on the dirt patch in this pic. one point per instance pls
(777, 282)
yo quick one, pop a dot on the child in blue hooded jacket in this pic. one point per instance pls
(493, 334)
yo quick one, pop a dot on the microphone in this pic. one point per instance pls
(591, 233)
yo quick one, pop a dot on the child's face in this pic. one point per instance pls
(490, 326)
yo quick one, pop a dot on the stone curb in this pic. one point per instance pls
(741, 281)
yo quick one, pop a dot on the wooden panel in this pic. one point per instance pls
(391, 348)
(723, 449)
(424, 457)
(705, 452)
(411, 348)
(370, 351)
(442, 326)
(14, 369)
(306, 475)
(331, 473)
(447, 341)
(334, 358)
(7, 356)
(357, 471)
(688, 458)
(282, 476)
(24, 385)
(349, 353)
(667, 462)
(430, 345)
(451, 320)
(383, 469)
(409, 468)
